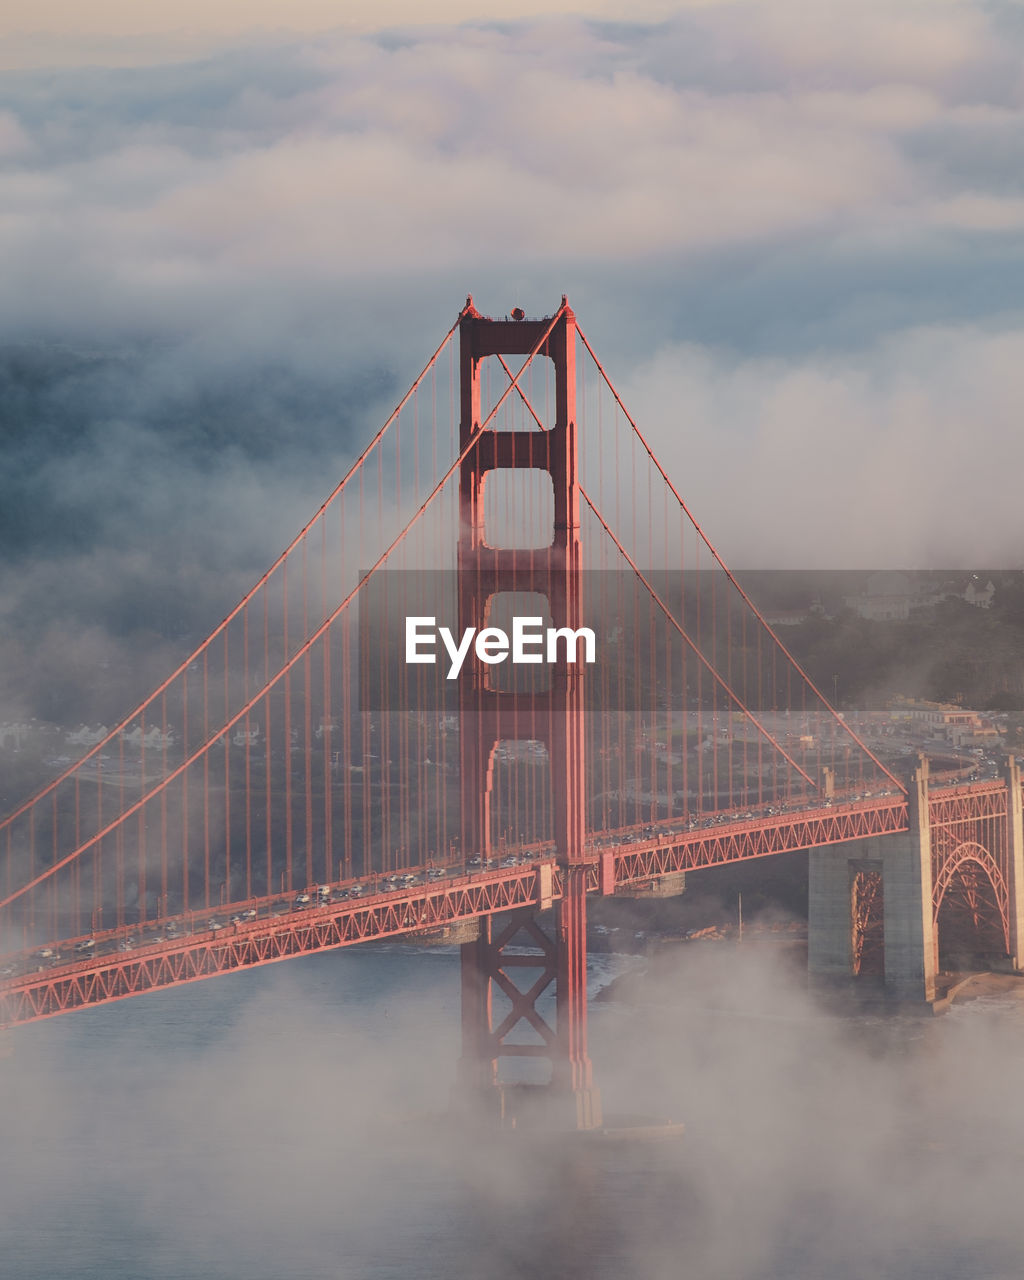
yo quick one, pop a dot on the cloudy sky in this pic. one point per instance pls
(229, 240)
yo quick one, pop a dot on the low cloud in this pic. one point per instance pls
(792, 238)
(261, 179)
(297, 1119)
(905, 455)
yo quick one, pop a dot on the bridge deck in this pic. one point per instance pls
(116, 963)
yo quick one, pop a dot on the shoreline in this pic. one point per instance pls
(785, 947)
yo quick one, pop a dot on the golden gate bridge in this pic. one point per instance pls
(295, 786)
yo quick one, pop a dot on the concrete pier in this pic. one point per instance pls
(1015, 862)
(904, 861)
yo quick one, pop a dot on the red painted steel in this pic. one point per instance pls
(635, 859)
(242, 945)
(867, 911)
(554, 717)
(255, 773)
(970, 856)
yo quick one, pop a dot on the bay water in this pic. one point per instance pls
(295, 1122)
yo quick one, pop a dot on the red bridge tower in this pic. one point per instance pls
(489, 715)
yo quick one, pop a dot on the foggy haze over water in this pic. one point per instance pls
(292, 1121)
